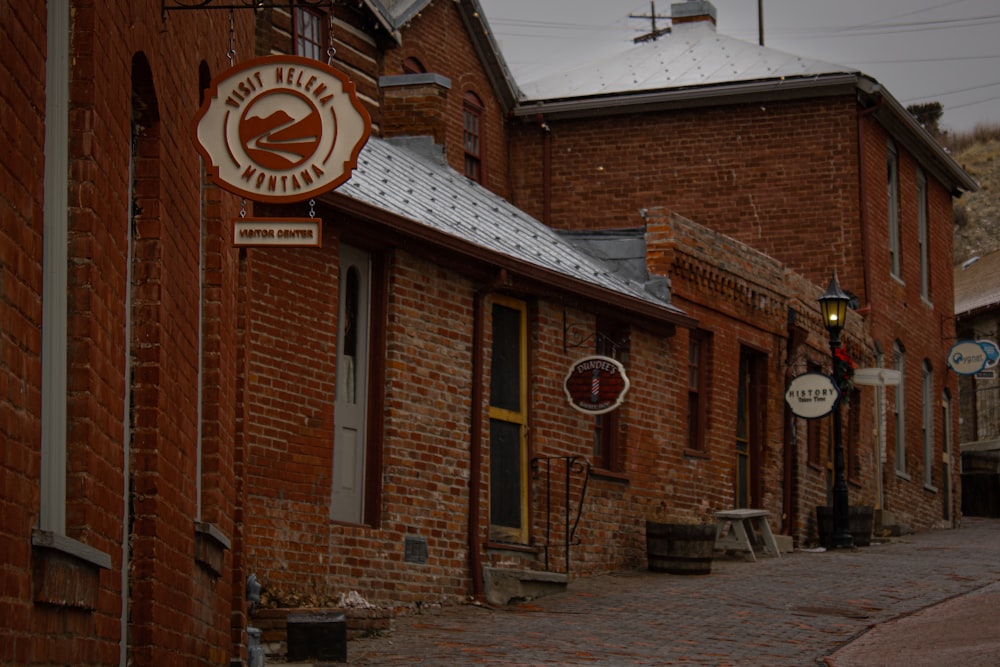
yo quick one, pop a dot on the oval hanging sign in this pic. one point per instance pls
(967, 357)
(595, 385)
(281, 129)
(812, 395)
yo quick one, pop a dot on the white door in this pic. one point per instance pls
(347, 500)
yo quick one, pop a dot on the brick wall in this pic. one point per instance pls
(787, 179)
(743, 298)
(63, 609)
(925, 328)
(758, 173)
(438, 39)
(22, 62)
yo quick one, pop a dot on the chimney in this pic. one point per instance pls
(693, 11)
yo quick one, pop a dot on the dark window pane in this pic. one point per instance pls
(505, 474)
(505, 383)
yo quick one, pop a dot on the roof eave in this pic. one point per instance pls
(526, 275)
(489, 52)
(695, 96)
(905, 128)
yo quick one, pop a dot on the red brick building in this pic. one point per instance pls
(792, 158)
(385, 413)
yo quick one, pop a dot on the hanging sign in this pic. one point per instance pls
(595, 385)
(992, 352)
(281, 129)
(812, 395)
(968, 357)
(287, 232)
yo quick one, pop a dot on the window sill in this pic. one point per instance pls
(903, 475)
(930, 488)
(65, 572)
(510, 546)
(696, 454)
(210, 547)
(610, 475)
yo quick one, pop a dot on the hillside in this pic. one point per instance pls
(977, 214)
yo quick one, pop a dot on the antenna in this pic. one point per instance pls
(655, 33)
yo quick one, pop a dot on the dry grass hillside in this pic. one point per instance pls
(977, 214)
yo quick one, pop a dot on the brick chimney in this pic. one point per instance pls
(693, 11)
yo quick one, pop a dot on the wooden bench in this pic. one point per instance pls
(742, 533)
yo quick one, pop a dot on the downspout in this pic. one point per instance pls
(476, 439)
(865, 262)
(862, 204)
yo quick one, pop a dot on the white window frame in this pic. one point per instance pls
(927, 421)
(923, 239)
(899, 364)
(895, 239)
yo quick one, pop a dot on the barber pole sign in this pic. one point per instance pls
(596, 384)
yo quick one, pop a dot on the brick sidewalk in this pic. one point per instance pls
(794, 611)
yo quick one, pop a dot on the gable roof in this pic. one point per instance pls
(409, 179)
(395, 14)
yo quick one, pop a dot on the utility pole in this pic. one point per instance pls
(656, 33)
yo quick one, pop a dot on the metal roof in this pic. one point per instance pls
(693, 54)
(409, 178)
(977, 284)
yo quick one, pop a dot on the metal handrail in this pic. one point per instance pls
(573, 464)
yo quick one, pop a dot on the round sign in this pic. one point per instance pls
(812, 395)
(595, 385)
(281, 129)
(967, 357)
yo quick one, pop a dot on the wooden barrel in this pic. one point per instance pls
(680, 548)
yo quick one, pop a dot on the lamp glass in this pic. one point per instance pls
(833, 304)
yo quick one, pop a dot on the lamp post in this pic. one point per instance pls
(833, 305)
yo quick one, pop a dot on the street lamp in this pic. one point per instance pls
(833, 305)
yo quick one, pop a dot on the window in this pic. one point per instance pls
(946, 448)
(698, 357)
(308, 35)
(927, 421)
(413, 66)
(508, 450)
(52, 514)
(899, 364)
(472, 116)
(892, 168)
(922, 236)
(607, 445)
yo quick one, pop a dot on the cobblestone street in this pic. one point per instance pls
(796, 611)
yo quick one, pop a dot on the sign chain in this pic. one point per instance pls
(231, 53)
(330, 49)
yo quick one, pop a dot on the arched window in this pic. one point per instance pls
(413, 66)
(472, 117)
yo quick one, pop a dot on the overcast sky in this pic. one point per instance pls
(946, 51)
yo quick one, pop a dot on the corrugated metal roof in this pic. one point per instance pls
(693, 54)
(408, 180)
(977, 284)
